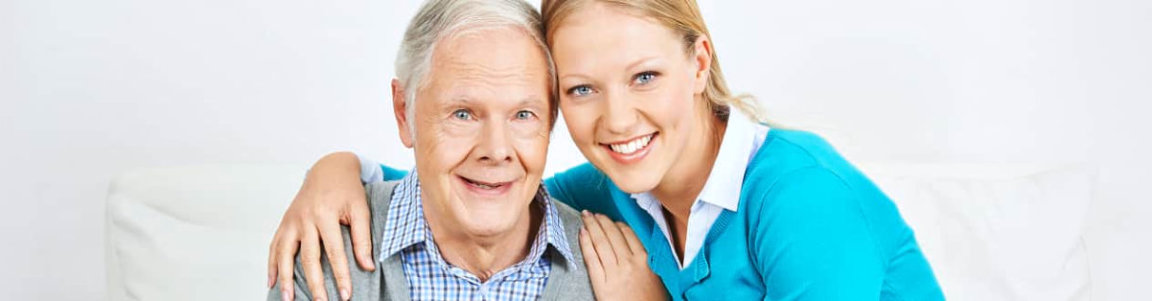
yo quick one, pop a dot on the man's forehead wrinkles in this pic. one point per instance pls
(476, 69)
(465, 78)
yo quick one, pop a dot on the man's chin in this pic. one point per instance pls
(484, 226)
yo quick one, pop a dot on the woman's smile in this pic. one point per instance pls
(631, 150)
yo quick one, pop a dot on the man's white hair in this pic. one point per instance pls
(438, 20)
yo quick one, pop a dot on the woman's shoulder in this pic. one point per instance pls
(584, 175)
(798, 168)
(791, 153)
(800, 146)
(798, 177)
(582, 187)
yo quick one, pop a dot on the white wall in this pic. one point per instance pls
(973, 80)
(91, 89)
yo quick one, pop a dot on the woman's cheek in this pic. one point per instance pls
(581, 122)
(678, 106)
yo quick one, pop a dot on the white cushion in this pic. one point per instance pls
(997, 232)
(195, 233)
(991, 232)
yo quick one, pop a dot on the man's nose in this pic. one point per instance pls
(495, 146)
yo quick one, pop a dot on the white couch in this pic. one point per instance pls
(991, 232)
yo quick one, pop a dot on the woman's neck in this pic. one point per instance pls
(683, 183)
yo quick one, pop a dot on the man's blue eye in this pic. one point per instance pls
(580, 90)
(462, 114)
(524, 115)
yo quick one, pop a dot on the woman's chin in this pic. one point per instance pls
(633, 177)
(634, 181)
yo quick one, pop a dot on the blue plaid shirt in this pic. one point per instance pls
(431, 278)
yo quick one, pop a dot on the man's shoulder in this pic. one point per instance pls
(570, 220)
(380, 192)
(379, 196)
(365, 283)
(567, 213)
(569, 280)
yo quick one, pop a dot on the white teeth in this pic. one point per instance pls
(631, 147)
(482, 186)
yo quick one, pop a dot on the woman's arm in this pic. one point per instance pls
(583, 188)
(819, 245)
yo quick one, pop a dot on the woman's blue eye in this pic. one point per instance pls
(462, 114)
(580, 90)
(645, 77)
(524, 115)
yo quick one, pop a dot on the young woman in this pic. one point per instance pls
(726, 207)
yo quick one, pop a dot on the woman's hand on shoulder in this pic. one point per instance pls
(617, 262)
(331, 195)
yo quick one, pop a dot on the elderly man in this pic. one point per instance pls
(473, 99)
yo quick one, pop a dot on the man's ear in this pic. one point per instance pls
(702, 56)
(400, 109)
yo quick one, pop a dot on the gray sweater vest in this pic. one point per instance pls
(387, 281)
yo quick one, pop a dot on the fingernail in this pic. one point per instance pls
(284, 295)
(344, 294)
(585, 212)
(270, 283)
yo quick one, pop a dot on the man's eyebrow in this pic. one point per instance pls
(531, 101)
(528, 101)
(460, 99)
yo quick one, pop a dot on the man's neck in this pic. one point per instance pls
(487, 255)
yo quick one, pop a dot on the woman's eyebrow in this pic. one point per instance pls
(643, 61)
(574, 76)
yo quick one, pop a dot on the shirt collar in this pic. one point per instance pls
(726, 180)
(405, 225)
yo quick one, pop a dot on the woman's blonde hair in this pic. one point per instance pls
(682, 17)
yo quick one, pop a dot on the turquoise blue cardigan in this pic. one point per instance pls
(810, 226)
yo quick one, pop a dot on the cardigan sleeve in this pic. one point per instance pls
(373, 171)
(583, 188)
(812, 241)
